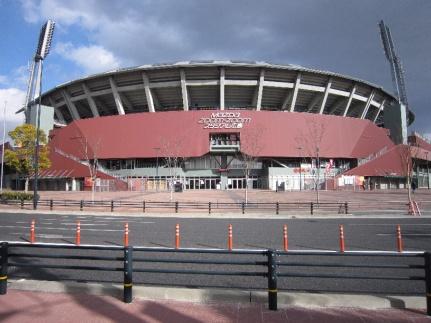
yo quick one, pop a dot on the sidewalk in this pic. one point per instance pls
(49, 301)
(27, 306)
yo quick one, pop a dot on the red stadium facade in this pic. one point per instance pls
(227, 125)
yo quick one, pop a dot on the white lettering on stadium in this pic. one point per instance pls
(224, 120)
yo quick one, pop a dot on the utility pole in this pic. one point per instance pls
(2, 149)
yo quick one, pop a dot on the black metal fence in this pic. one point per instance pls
(177, 206)
(273, 265)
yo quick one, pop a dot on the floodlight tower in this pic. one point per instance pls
(397, 70)
(43, 47)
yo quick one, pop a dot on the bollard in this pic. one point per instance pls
(272, 280)
(177, 236)
(277, 208)
(341, 238)
(311, 208)
(209, 207)
(81, 205)
(22, 204)
(399, 239)
(243, 207)
(128, 275)
(143, 206)
(285, 241)
(229, 237)
(126, 234)
(112, 206)
(427, 256)
(32, 236)
(176, 206)
(51, 204)
(346, 208)
(78, 233)
(3, 267)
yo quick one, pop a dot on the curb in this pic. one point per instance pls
(285, 299)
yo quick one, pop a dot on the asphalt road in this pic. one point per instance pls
(360, 234)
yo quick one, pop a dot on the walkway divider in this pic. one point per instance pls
(399, 239)
(126, 234)
(285, 241)
(229, 237)
(78, 233)
(32, 235)
(177, 236)
(341, 238)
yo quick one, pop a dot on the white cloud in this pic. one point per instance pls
(14, 99)
(3, 79)
(91, 58)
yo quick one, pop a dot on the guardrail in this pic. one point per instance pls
(177, 206)
(271, 264)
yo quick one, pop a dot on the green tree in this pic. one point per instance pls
(21, 157)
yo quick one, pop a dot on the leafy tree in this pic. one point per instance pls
(21, 157)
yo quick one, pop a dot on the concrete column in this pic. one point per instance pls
(184, 90)
(117, 97)
(295, 92)
(71, 106)
(325, 96)
(222, 76)
(349, 101)
(381, 107)
(260, 89)
(90, 100)
(73, 184)
(148, 93)
(367, 105)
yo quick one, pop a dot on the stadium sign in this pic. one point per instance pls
(224, 120)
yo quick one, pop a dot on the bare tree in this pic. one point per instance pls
(311, 140)
(251, 147)
(408, 154)
(171, 152)
(90, 157)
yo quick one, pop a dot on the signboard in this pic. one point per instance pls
(224, 120)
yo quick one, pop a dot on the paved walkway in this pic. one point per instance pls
(25, 306)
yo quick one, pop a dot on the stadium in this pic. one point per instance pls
(224, 125)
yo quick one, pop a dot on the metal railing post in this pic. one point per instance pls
(143, 206)
(22, 204)
(242, 207)
(311, 208)
(128, 273)
(112, 205)
(51, 204)
(277, 208)
(176, 206)
(272, 280)
(81, 205)
(209, 207)
(3, 268)
(346, 207)
(427, 256)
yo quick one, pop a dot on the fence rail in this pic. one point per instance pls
(274, 265)
(177, 206)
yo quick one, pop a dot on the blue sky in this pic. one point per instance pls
(93, 36)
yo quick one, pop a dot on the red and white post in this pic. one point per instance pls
(32, 234)
(342, 238)
(126, 234)
(399, 239)
(177, 236)
(78, 233)
(285, 241)
(229, 237)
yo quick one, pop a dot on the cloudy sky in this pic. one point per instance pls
(336, 35)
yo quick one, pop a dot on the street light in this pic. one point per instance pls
(44, 44)
(428, 170)
(157, 149)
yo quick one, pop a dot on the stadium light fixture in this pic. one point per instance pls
(45, 40)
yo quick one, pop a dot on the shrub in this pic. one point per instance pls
(11, 195)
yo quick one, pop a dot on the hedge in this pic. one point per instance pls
(11, 195)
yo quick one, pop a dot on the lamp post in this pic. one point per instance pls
(428, 170)
(2, 148)
(157, 149)
(42, 51)
(300, 168)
